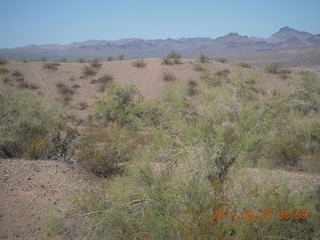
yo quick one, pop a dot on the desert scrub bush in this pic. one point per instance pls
(16, 73)
(95, 63)
(172, 58)
(88, 71)
(83, 106)
(204, 59)
(3, 61)
(4, 71)
(81, 60)
(31, 127)
(222, 60)
(222, 74)
(43, 59)
(244, 65)
(63, 60)
(120, 57)
(273, 68)
(65, 91)
(192, 88)
(51, 65)
(23, 84)
(110, 59)
(139, 63)
(103, 81)
(104, 159)
(167, 77)
(199, 67)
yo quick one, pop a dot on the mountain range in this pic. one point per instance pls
(231, 44)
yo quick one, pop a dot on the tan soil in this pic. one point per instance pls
(28, 188)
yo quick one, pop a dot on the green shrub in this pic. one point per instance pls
(139, 63)
(244, 65)
(32, 128)
(104, 160)
(222, 60)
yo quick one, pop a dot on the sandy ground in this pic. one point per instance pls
(28, 188)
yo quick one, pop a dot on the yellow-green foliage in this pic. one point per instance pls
(30, 126)
(188, 166)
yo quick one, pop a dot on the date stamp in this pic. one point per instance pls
(259, 215)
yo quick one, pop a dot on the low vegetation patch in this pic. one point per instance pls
(204, 59)
(88, 71)
(51, 65)
(167, 77)
(172, 58)
(222, 60)
(95, 63)
(4, 71)
(16, 73)
(3, 61)
(244, 65)
(139, 63)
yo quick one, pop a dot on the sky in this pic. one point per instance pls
(24, 22)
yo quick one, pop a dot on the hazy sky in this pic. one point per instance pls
(24, 22)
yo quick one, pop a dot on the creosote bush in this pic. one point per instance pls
(51, 65)
(222, 60)
(244, 65)
(95, 63)
(273, 68)
(16, 73)
(120, 57)
(204, 59)
(4, 70)
(139, 63)
(88, 71)
(172, 58)
(3, 61)
(168, 77)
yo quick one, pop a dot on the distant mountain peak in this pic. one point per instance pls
(286, 29)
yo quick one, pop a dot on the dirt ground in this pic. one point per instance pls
(28, 188)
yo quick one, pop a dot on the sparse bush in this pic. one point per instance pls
(110, 59)
(139, 63)
(192, 88)
(120, 57)
(24, 84)
(244, 65)
(104, 160)
(167, 77)
(83, 106)
(81, 60)
(222, 60)
(65, 91)
(76, 86)
(199, 67)
(172, 58)
(31, 127)
(71, 79)
(24, 60)
(103, 81)
(43, 59)
(88, 71)
(16, 73)
(95, 63)
(3, 61)
(4, 71)
(203, 58)
(63, 60)
(273, 68)
(222, 74)
(51, 65)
